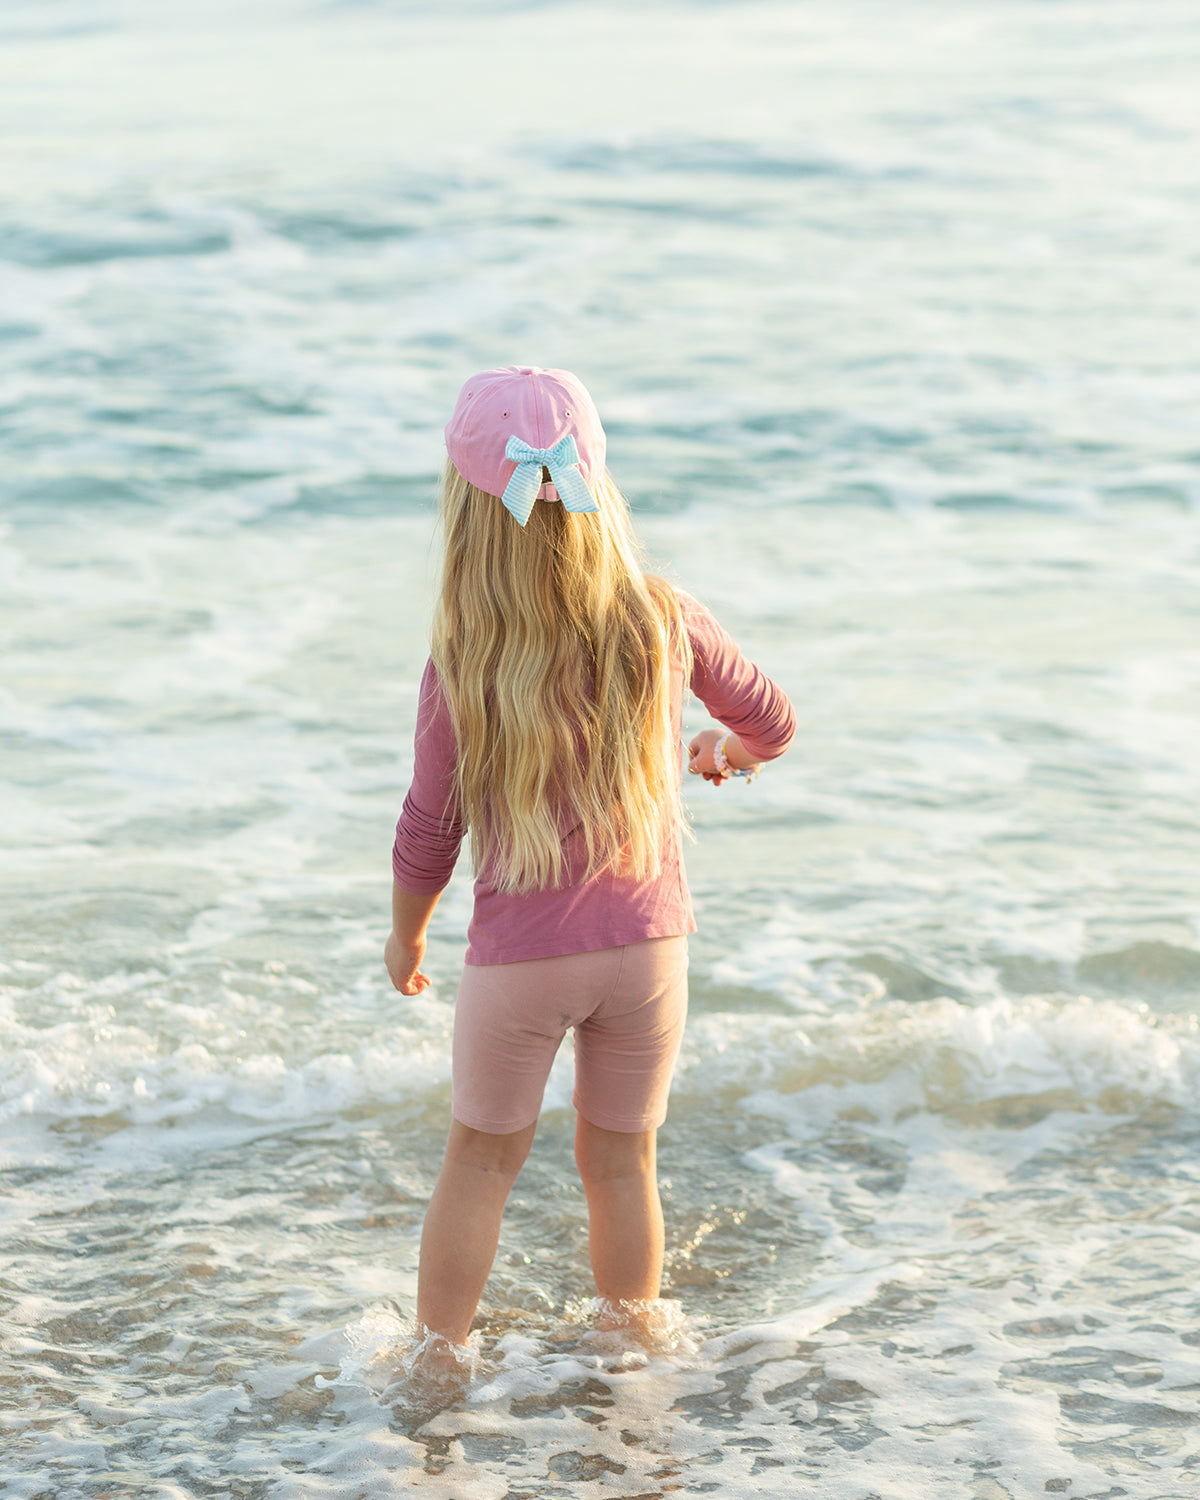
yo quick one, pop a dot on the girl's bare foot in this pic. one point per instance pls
(437, 1366)
(654, 1323)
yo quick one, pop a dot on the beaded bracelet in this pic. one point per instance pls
(722, 764)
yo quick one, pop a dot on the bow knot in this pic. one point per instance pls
(563, 463)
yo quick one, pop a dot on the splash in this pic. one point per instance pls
(652, 1325)
(414, 1371)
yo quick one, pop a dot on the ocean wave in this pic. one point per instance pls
(693, 155)
(150, 1058)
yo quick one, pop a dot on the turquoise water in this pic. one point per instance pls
(891, 316)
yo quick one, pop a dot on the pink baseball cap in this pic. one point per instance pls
(509, 424)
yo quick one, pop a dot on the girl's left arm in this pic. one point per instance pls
(428, 837)
(405, 948)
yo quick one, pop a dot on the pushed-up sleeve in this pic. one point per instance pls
(431, 827)
(736, 692)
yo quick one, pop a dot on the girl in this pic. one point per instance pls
(548, 727)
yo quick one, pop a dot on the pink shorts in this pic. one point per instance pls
(627, 1006)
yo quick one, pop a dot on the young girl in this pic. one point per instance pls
(548, 727)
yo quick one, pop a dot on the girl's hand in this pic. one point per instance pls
(736, 759)
(700, 756)
(404, 965)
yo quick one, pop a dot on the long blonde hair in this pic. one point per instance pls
(555, 652)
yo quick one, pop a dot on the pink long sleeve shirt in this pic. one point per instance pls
(606, 911)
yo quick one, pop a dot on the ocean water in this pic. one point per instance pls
(891, 314)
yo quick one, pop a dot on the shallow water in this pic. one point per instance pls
(890, 314)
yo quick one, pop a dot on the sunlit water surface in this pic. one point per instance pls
(891, 314)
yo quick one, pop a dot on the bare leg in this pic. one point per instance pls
(462, 1225)
(619, 1173)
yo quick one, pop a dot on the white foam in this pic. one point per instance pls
(92, 1064)
(943, 1053)
(824, 1302)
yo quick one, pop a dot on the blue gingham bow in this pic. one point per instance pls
(563, 463)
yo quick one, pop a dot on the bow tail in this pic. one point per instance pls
(521, 490)
(573, 491)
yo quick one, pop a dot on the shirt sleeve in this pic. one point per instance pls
(736, 692)
(431, 826)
